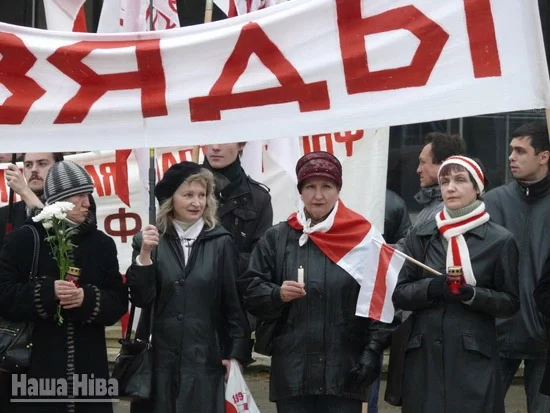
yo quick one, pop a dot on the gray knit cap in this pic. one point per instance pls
(66, 179)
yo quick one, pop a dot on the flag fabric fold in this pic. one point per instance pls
(65, 15)
(356, 246)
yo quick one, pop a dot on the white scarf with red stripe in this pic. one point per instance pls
(453, 229)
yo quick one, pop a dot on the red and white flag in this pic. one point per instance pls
(238, 7)
(351, 242)
(65, 15)
(134, 16)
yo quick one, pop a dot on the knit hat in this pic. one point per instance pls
(318, 165)
(66, 179)
(173, 178)
(470, 165)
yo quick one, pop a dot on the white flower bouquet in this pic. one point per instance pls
(59, 233)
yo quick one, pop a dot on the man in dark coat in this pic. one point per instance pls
(77, 345)
(523, 207)
(438, 146)
(29, 185)
(244, 205)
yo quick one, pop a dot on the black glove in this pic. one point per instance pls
(438, 288)
(365, 372)
(466, 293)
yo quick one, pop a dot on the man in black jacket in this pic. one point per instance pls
(244, 205)
(29, 185)
(523, 207)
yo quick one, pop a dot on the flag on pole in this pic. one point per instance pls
(356, 246)
(65, 15)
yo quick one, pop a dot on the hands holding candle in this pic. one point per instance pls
(291, 290)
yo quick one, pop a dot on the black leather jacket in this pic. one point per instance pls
(319, 338)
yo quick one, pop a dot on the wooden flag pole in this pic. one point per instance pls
(411, 259)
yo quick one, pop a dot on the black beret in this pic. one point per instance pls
(173, 178)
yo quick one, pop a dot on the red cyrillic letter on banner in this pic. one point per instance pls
(16, 61)
(483, 40)
(149, 77)
(253, 40)
(353, 28)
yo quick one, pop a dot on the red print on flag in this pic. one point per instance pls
(351, 242)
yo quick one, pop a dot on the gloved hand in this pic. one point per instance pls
(466, 293)
(438, 288)
(365, 372)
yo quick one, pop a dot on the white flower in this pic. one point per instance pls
(65, 206)
(60, 215)
(47, 225)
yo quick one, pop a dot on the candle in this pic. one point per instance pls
(301, 275)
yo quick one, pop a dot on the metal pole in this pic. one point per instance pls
(152, 156)
(34, 16)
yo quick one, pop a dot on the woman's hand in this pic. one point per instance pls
(227, 365)
(291, 290)
(150, 241)
(68, 294)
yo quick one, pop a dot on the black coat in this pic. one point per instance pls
(542, 299)
(18, 218)
(246, 213)
(396, 218)
(105, 301)
(319, 339)
(198, 319)
(451, 360)
(527, 216)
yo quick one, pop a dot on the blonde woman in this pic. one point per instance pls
(185, 269)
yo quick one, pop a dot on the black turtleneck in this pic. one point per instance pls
(227, 179)
(535, 190)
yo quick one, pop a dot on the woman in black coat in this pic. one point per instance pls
(185, 271)
(451, 360)
(324, 356)
(77, 346)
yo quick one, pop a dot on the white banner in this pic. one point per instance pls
(122, 208)
(298, 68)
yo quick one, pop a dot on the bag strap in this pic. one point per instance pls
(36, 252)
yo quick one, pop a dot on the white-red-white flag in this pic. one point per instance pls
(65, 15)
(135, 16)
(355, 245)
(238, 7)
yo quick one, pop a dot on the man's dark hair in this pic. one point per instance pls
(57, 156)
(445, 145)
(538, 132)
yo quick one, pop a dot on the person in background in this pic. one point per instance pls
(523, 207)
(438, 146)
(451, 361)
(29, 185)
(184, 270)
(78, 345)
(324, 356)
(542, 299)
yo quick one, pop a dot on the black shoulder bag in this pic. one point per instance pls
(15, 336)
(266, 329)
(134, 364)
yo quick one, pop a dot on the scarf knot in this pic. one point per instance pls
(453, 230)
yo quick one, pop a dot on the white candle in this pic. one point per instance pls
(301, 275)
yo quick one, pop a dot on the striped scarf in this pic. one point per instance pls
(453, 229)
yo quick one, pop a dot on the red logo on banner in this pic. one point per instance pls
(313, 143)
(123, 231)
